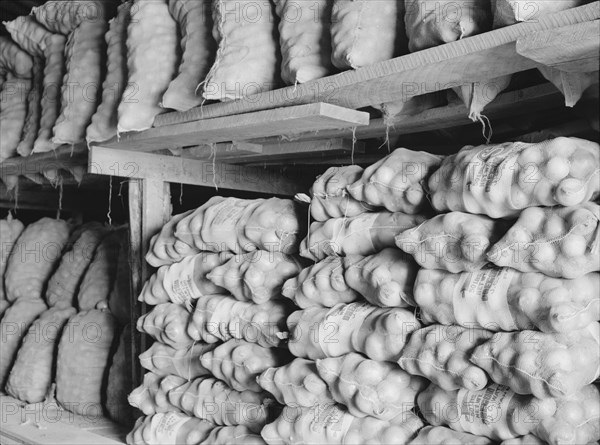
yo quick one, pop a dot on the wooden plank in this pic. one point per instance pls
(137, 249)
(64, 157)
(513, 103)
(487, 55)
(46, 423)
(220, 151)
(573, 48)
(289, 150)
(312, 117)
(149, 209)
(191, 171)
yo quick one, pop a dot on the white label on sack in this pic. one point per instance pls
(332, 422)
(227, 212)
(339, 324)
(166, 426)
(482, 296)
(179, 281)
(489, 176)
(222, 226)
(485, 412)
(489, 165)
(220, 321)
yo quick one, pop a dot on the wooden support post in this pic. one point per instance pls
(149, 209)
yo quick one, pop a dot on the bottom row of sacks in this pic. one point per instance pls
(494, 415)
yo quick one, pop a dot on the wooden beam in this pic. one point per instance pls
(282, 151)
(483, 56)
(573, 48)
(219, 151)
(137, 165)
(512, 103)
(287, 121)
(63, 158)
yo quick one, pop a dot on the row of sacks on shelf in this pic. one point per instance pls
(86, 70)
(66, 335)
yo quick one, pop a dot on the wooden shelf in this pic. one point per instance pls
(46, 424)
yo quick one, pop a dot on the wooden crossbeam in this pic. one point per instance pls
(166, 168)
(278, 152)
(222, 151)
